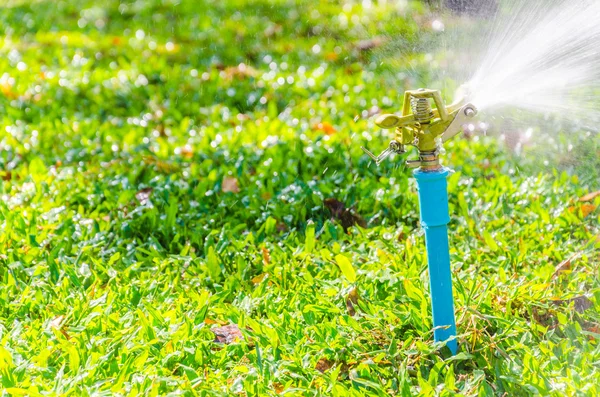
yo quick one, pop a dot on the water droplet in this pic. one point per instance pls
(437, 25)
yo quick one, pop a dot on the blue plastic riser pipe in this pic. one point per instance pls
(433, 203)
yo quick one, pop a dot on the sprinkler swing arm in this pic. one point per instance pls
(423, 127)
(426, 129)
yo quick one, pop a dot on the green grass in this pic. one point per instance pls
(120, 253)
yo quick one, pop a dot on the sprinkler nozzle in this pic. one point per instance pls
(424, 127)
(470, 112)
(394, 147)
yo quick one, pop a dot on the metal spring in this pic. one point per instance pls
(421, 109)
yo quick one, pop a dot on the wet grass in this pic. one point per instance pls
(173, 167)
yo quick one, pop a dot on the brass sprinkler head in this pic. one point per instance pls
(424, 127)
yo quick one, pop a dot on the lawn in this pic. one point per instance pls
(186, 210)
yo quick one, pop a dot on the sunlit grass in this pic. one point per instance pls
(154, 192)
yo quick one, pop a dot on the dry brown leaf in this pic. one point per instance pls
(272, 30)
(589, 196)
(227, 334)
(325, 127)
(143, 195)
(161, 166)
(580, 303)
(369, 44)
(352, 301)
(323, 364)
(587, 209)
(593, 328)
(373, 110)
(266, 196)
(346, 216)
(65, 333)
(187, 151)
(544, 317)
(230, 185)
(7, 89)
(331, 56)
(565, 265)
(57, 321)
(258, 279)
(266, 256)
(278, 387)
(240, 72)
(281, 227)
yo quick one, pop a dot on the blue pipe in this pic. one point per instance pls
(433, 203)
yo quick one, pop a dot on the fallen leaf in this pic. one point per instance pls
(373, 110)
(325, 127)
(144, 195)
(335, 206)
(593, 329)
(281, 227)
(57, 321)
(272, 30)
(544, 317)
(369, 44)
(230, 185)
(580, 303)
(323, 364)
(346, 216)
(589, 196)
(565, 265)
(258, 279)
(352, 301)
(587, 209)
(240, 72)
(266, 256)
(227, 334)
(187, 151)
(331, 56)
(161, 166)
(7, 90)
(278, 387)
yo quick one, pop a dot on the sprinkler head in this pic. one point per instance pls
(423, 127)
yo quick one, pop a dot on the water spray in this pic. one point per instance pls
(427, 129)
